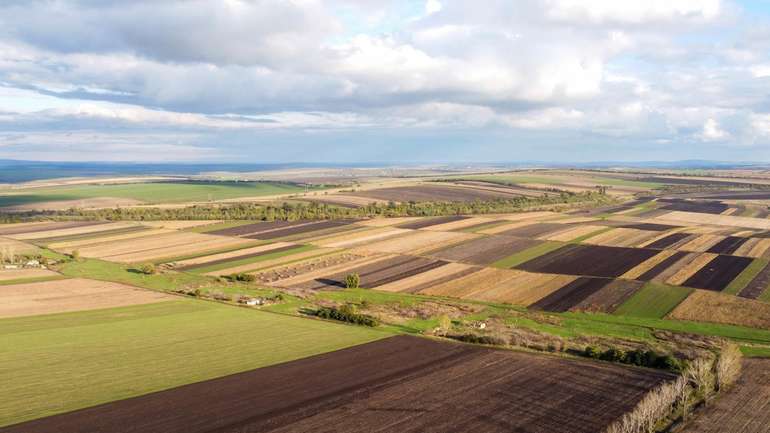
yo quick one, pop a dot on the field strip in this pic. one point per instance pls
(719, 220)
(159, 253)
(654, 300)
(266, 264)
(710, 306)
(661, 235)
(646, 265)
(417, 242)
(69, 245)
(251, 259)
(527, 255)
(180, 224)
(17, 246)
(409, 283)
(231, 254)
(17, 274)
(572, 233)
(94, 235)
(74, 294)
(690, 269)
(760, 249)
(352, 240)
(141, 243)
(73, 231)
(475, 282)
(458, 225)
(385, 222)
(330, 270)
(745, 277)
(505, 227)
(701, 243)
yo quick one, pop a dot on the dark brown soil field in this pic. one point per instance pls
(427, 222)
(5, 231)
(668, 241)
(745, 408)
(378, 273)
(758, 285)
(236, 258)
(570, 295)
(662, 266)
(609, 297)
(727, 245)
(718, 273)
(485, 250)
(299, 229)
(249, 229)
(434, 193)
(650, 227)
(589, 260)
(400, 384)
(712, 207)
(535, 230)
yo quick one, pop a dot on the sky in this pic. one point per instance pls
(416, 81)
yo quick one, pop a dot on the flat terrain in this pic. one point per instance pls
(403, 384)
(63, 362)
(745, 408)
(75, 294)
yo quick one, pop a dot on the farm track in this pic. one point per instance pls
(400, 384)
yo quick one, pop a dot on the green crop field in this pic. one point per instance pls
(654, 301)
(62, 362)
(527, 255)
(176, 192)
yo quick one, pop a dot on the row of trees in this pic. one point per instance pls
(313, 210)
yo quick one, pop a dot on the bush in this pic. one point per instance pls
(478, 339)
(242, 277)
(75, 255)
(352, 281)
(346, 314)
(592, 352)
(148, 269)
(613, 355)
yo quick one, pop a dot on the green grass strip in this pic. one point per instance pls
(33, 280)
(527, 255)
(579, 239)
(765, 296)
(249, 260)
(654, 301)
(755, 352)
(744, 278)
(208, 252)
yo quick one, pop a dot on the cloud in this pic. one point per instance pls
(712, 132)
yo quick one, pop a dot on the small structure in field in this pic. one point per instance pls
(480, 325)
(252, 301)
(32, 264)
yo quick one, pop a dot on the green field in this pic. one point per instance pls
(654, 301)
(175, 192)
(527, 255)
(249, 260)
(62, 362)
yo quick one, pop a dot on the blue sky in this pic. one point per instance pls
(398, 80)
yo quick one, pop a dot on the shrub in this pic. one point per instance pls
(346, 315)
(242, 277)
(148, 269)
(352, 281)
(478, 339)
(591, 352)
(613, 355)
(75, 255)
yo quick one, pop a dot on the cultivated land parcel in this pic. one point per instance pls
(548, 261)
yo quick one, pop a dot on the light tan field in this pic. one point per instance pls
(70, 295)
(746, 248)
(383, 222)
(17, 246)
(179, 225)
(83, 203)
(690, 269)
(103, 240)
(571, 233)
(524, 289)
(352, 239)
(456, 225)
(504, 227)
(718, 220)
(479, 281)
(424, 278)
(660, 235)
(708, 306)
(759, 249)
(701, 243)
(622, 237)
(73, 231)
(417, 242)
(646, 265)
(539, 216)
(16, 274)
(350, 200)
(231, 254)
(267, 264)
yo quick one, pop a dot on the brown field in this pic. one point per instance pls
(267, 264)
(296, 274)
(76, 230)
(425, 279)
(460, 224)
(16, 274)
(568, 296)
(417, 242)
(505, 227)
(647, 265)
(688, 270)
(609, 297)
(572, 233)
(525, 288)
(433, 221)
(622, 237)
(10, 230)
(75, 294)
(589, 260)
(232, 254)
(757, 285)
(386, 222)
(718, 273)
(103, 240)
(523, 216)
(701, 244)
(146, 248)
(666, 269)
(535, 230)
(344, 200)
(346, 240)
(485, 250)
(709, 306)
(745, 408)
(179, 225)
(480, 281)
(400, 384)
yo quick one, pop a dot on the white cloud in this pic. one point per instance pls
(432, 6)
(712, 131)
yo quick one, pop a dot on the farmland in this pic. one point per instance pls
(402, 383)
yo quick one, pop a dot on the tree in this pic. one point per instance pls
(728, 366)
(75, 255)
(444, 323)
(352, 281)
(148, 269)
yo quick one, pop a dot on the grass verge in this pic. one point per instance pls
(654, 301)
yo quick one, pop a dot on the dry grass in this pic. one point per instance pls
(571, 233)
(484, 279)
(460, 224)
(708, 306)
(347, 240)
(385, 222)
(417, 242)
(719, 220)
(16, 274)
(105, 240)
(231, 254)
(690, 269)
(70, 295)
(179, 225)
(701, 243)
(424, 278)
(622, 237)
(17, 246)
(73, 231)
(525, 289)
